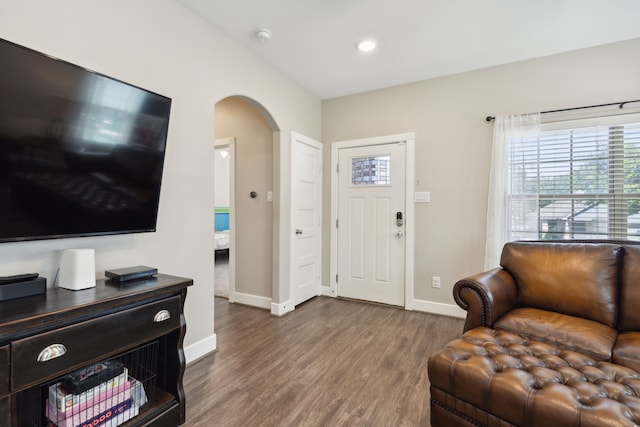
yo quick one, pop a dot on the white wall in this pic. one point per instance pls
(453, 143)
(161, 46)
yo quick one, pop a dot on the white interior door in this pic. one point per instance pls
(371, 215)
(306, 192)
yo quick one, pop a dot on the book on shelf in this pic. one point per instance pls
(95, 415)
(120, 417)
(108, 403)
(64, 401)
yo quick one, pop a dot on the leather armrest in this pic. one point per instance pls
(486, 297)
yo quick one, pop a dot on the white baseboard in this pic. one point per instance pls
(200, 349)
(327, 291)
(252, 300)
(432, 307)
(282, 308)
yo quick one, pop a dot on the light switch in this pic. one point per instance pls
(422, 197)
(269, 196)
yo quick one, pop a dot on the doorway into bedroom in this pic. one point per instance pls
(244, 125)
(223, 216)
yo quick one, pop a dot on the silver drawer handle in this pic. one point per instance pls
(161, 316)
(51, 352)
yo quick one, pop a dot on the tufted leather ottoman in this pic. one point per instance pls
(496, 378)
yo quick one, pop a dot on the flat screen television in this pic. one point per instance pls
(81, 153)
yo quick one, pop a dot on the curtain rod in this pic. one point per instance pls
(619, 104)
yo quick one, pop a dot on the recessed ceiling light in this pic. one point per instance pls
(366, 45)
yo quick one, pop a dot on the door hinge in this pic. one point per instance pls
(336, 223)
(336, 278)
(337, 167)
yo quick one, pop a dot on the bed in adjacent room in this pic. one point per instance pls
(221, 222)
(221, 240)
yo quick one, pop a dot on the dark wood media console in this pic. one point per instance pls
(109, 321)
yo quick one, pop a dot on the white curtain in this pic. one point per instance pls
(508, 131)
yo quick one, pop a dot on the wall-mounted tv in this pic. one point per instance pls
(81, 154)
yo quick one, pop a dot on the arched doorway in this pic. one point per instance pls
(254, 218)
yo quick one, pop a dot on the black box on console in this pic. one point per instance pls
(23, 289)
(83, 379)
(131, 273)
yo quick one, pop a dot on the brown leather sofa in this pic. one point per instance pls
(552, 338)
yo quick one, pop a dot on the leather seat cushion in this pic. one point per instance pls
(531, 383)
(627, 350)
(568, 332)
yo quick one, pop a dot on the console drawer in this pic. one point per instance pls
(88, 341)
(4, 370)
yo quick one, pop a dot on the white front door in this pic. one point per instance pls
(306, 194)
(371, 223)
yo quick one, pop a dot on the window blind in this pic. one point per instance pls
(576, 179)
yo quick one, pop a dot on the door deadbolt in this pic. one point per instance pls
(399, 220)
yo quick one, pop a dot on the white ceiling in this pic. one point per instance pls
(314, 41)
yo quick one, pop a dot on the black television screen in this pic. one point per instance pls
(81, 154)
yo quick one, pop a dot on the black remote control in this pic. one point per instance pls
(5, 280)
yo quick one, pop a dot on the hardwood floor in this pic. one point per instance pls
(331, 362)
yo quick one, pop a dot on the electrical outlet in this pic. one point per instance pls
(435, 281)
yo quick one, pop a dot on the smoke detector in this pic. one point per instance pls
(263, 35)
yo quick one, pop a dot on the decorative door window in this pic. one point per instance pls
(371, 170)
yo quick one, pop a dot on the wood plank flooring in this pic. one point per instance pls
(331, 362)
